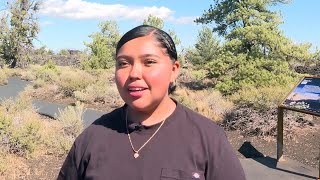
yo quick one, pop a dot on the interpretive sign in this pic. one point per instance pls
(305, 97)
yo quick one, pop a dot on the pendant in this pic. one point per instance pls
(136, 155)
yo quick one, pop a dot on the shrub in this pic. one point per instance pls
(209, 103)
(20, 129)
(21, 103)
(26, 138)
(74, 80)
(30, 73)
(71, 119)
(3, 78)
(236, 72)
(63, 132)
(261, 99)
(49, 72)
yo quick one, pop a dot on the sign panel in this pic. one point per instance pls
(305, 97)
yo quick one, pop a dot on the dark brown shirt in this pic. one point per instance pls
(188, 146)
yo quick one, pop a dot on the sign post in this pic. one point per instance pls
(304, 98)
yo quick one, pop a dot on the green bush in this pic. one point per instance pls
(71, 119)
(26, 138)
(49, 72)
(20, 136)
(236, 72)
(74, 80)
(261, 99)
(199, 74)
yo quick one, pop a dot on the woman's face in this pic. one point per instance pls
(143, 73)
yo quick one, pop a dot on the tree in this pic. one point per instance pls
(103, 46)
(18, 29)
(206, 49)
(248, 26)
(154, 21)
(159, 23)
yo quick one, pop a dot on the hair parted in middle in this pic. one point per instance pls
(160, 36)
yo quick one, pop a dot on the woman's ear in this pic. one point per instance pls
(175, 70)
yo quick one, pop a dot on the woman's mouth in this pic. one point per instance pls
(136, 91)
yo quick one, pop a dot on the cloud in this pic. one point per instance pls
(46, 23)
(79, 9)
(84, 10)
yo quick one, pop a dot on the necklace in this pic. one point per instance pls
(136, 152)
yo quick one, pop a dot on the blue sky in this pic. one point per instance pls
(68, 23)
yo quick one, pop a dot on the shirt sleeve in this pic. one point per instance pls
(223, 162)
(69, 170)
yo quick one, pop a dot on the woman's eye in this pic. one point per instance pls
(122, 63)
(149, 61)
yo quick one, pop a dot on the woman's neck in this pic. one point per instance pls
(153, 116)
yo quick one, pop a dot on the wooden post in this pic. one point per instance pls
(280, 133)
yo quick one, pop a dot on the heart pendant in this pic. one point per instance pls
(136, 155)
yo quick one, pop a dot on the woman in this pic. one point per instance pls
(152, 136)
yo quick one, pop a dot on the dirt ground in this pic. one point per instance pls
(303, 148)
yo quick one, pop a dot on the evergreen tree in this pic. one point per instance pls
(103, 46)
(206, 48)
(17, 31)
(247, 25)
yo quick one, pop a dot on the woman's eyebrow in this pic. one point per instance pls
(149, 55)
(123, 57)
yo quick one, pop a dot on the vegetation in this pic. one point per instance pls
(206, 49)
(103, 46)
(17, 31)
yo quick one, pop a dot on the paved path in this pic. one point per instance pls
(16, 85)
(265, 168)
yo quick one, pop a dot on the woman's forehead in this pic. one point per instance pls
(146, 44)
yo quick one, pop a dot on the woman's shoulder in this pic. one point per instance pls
(103, 126)
(199, 121)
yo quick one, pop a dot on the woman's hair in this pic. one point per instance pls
(160, 36)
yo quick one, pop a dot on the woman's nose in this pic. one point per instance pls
(135, 72)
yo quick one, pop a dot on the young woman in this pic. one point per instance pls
(152, 136)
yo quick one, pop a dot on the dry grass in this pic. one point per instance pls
(209, 103)
(3, 78)
(25, 136)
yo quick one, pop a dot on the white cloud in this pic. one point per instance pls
(81, 9)
(46, 23)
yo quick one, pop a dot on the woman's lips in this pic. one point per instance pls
(136, 91)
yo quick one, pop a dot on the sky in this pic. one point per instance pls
(67, 24)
